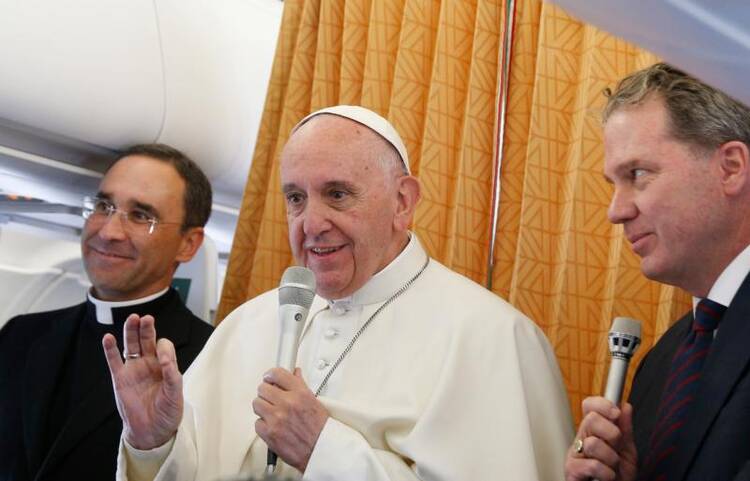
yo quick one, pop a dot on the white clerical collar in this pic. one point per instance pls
(383, 284)
(104, 308)
(729, 282)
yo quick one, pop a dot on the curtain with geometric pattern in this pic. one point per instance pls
(557, 257)
(433, 68)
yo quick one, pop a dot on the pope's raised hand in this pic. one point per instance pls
(147, 384)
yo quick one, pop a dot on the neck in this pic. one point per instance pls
(709, 272)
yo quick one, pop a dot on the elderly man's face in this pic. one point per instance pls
(123, 260)
(341, 204)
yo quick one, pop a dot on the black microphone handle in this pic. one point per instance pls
(271, 458)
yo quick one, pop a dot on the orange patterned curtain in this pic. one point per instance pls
(557, 257)
(433, 69)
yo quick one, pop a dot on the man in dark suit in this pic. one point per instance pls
(58, 419)
(676, 152)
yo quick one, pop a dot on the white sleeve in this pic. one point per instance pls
(176, 460)
(141, 465)
(342, 454)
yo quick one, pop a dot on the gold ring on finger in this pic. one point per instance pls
(578, 446)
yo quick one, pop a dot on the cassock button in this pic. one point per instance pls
(322, 364)
(331, 333)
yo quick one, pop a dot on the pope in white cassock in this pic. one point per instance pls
(421, 373)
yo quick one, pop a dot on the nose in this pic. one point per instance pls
(112, 227)
(316, 219)
(622, 208)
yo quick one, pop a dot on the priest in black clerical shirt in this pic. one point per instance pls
(58, 419)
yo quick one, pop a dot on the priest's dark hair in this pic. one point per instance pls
(198, 195)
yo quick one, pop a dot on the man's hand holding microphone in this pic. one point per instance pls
(604, 448)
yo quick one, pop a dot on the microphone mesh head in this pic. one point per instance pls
(624, 336)
(626, 325)
(297, 287)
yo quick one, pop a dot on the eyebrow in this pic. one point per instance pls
(147, 208)
(137, 204)
(342, 185)
(333, 184)
(622, 168)
(286, 188)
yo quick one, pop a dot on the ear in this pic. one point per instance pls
(734, 164)
(408, 193)
(190, 243)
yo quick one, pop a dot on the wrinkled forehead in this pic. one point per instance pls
(333, 151)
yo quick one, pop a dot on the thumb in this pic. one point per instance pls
(626, 420)
(625, 423)
(298, 372)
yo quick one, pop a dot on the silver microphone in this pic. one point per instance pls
(296, 293)
(624, 339)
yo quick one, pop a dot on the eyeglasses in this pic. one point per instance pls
(96, 209)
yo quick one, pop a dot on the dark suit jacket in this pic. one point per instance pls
(716, 437)
(33, 350)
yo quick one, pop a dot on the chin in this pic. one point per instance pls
(652, 270)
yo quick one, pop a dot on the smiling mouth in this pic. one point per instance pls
(323, 251)
(110, 255)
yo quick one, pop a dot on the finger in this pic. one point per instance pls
(600, 405)
(580, 469)
(147, 334)
(595, 448)
(112, 354)
(169, 371)
(262, 408)
(130, 334)
(281, 378)
(594, 424)
(261, 428)
(298, 372)
(270, 393)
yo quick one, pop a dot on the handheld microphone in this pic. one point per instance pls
(624, 339)
(296, 293)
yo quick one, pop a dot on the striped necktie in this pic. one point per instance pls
(680, 390)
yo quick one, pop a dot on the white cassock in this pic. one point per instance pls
(449, 382)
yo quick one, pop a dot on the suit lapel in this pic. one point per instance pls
(45, 360)
(724, 366)
(649, 380)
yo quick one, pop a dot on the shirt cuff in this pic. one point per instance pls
(144, 464)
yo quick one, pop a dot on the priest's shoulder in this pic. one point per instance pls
(36, 323)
